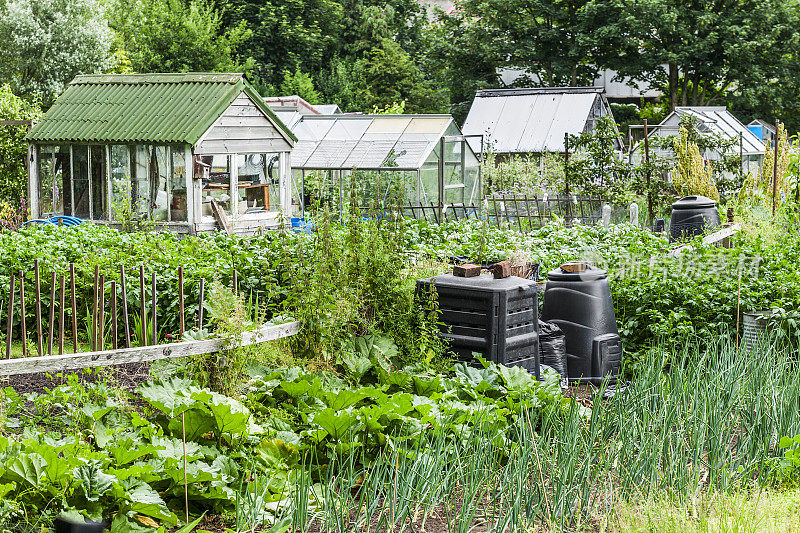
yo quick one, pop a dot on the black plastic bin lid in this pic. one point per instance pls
(590, 274)
(694, 202)
(481, 283)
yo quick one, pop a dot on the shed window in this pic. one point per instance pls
(99, 185)
(258, 182)
(55, 183)
(158, 183)
(80, 172)
(218, 185)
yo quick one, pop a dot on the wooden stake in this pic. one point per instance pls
(51, 323)
(775, 168)
(61, 333)
(185, 483)
(94, 308)
(125, 318)
(154, 311)
(738, 304)
(23, 312)
(101, 314)
(74, 308)
(235, 281)
(200, 308)
(10, 317)
(114, 315)
(181, 317)
(37, 281)
(143, 315)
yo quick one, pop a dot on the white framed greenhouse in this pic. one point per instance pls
(418, 163)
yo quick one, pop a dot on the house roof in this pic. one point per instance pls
(716, 120)
(530, 120)
(158, 108)
(367, 142)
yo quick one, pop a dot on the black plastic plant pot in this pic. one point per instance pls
(692, 216)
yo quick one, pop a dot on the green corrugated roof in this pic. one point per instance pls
(125, 108)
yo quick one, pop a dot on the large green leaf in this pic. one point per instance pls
(127, 450)
(171, 397)
(335, 423)
(197, 423)
(94, 482)
(230, 416)
(142, 499)
(27, 469)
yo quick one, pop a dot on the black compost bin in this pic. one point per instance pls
(580, 304)
(494, 317)
(691, 216)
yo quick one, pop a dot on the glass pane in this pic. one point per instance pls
(297, 192)
(159, 198)
(177, 186)
(120, 181)
(46, 181)
(218, 186)
(141, 186)
(80, 173)
(99, 192)
(63, 181)
(258, 182)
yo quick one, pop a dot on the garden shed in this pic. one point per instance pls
(719, 122)
(170, 148)
(417, 162)
(532, 121)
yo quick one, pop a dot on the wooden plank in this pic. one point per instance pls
(712, 238)
(60, 363)
(220, 217)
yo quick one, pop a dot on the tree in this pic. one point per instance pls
(697, 51)
(173, 36)
(286, 34)
(13, 149)
(44, 44)
(389, 75)
(301, 84)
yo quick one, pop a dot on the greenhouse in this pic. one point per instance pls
(419, 163)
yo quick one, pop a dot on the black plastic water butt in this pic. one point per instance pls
(692, 216)
(494, 317)
(580, 304)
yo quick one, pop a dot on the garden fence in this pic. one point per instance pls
(522, 211)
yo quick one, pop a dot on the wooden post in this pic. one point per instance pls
(61, 313)
(566, 177)
(647, 175)
(51, 323)
(74, 308)
(181, 317)
(101, 314)
(94, 308)
(143, 315)
(38, 306)
(125, 319)
(114, 331)
(235, 281)
(10, 317)
(155, 311)
(23, 312)
(775, 168)
(200, 307)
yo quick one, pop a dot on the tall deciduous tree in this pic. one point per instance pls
(176, 36)
(46, 43)
(697, 51)
(13, 149)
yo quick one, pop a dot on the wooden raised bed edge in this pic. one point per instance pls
(59, 363)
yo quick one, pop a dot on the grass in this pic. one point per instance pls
(762, 511)
(686, 449)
